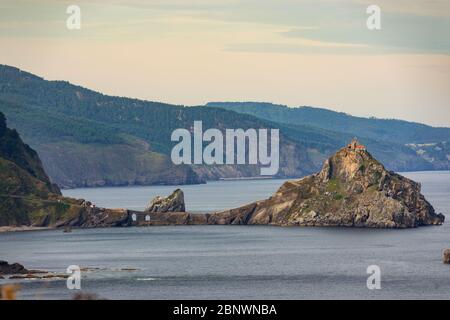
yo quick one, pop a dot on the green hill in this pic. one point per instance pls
(429, 143)
(85, 138)
(26, 195)
(397, 131)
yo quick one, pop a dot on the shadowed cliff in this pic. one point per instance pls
(28, 198)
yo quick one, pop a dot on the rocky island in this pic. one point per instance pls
(353, 189)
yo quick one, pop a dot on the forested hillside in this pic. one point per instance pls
(397, 131)
(429, 143)
(85, 138)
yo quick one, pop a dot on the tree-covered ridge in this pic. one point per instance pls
(76, 110)
(397, 131)
(89, 139)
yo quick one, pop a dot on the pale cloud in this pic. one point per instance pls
(285, 51)
(321, 21)
(436, 8)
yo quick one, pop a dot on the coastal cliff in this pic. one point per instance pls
(28, 198)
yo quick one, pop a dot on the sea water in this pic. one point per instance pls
(236, 262)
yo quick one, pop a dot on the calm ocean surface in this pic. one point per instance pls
(236, 262)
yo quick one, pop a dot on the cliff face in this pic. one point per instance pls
(27, 197)
(353, 190)
(20, 157)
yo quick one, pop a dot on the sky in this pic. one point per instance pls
(293, 52)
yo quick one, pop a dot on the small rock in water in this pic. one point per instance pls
(85, 296)
(67, 230)
(172, 203)
(446, 256)
(15, 268)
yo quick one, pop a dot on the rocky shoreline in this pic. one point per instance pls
(16, 271)
(22, 229)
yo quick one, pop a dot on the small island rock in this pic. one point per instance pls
(172, 203)
(353, 189)
(446, 256)
(15, 268)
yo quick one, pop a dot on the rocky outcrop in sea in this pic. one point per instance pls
(14, 268)
(353, 189)
(446, 256)
(172, 203)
